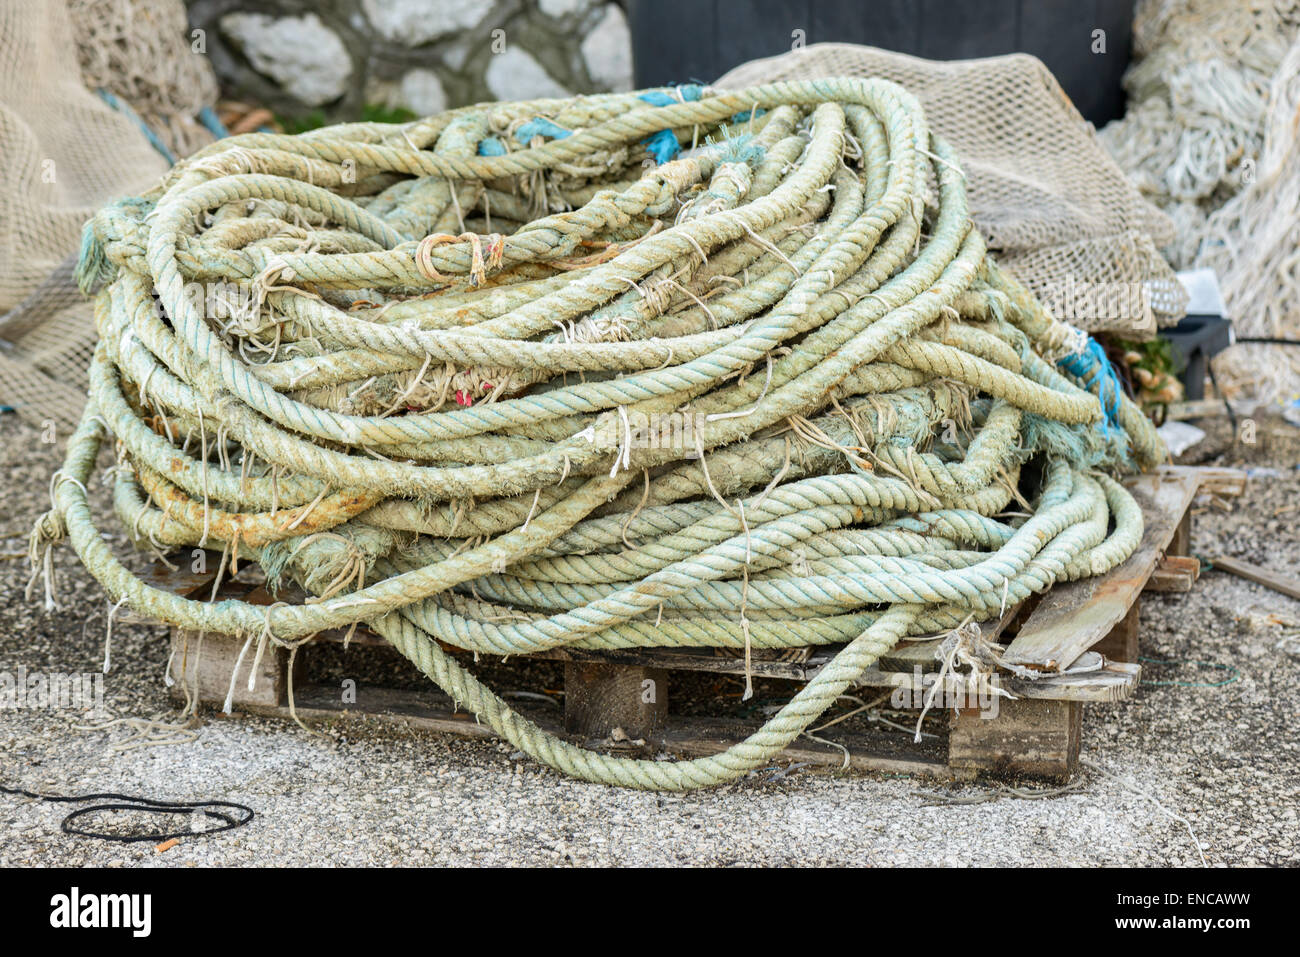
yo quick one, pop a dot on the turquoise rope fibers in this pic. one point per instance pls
(663, 146)
(540, 126)
(1095, 369)
(132, 115)
(212, 123)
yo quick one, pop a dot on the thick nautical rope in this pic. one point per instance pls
(497, 381)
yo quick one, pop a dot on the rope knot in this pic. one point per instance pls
(50, 529)
(479, 264)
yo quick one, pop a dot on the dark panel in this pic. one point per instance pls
(1116, 17)
(679, 40)
(964, 29)
(889, 24)
(756, 28)
(1056, 33)
(673, 41)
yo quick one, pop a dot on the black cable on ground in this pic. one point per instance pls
(1232, 416)
(241, 814)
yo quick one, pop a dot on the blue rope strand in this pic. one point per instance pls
(663, 146)
(1095, 370)
(131, 114)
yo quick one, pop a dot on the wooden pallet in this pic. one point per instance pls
(1082, 636)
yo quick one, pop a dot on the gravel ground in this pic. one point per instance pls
(1190, 755)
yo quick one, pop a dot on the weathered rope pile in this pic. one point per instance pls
(497, 379)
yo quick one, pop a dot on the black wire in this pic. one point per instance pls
(1267, 340)
(1232, 416)
(127, 802)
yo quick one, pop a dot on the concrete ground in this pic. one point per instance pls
(1205, 752)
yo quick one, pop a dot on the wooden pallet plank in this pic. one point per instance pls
(1212, 480)
(1074, 616)
(693, 737)
(680, 659)
(685, 737)
(1032, 738)
(1180, 544)
(601, 698)
(1112, 682)
(211, 658)
(1122, 642)
(1282, 584)
(424, 711)
(1174, 573)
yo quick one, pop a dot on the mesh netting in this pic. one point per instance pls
(64, 153)
(139, 51)
(1198, 99)
(1054, 207)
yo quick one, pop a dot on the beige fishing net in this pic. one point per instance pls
(1198, 94)
(64, 153)
(1055, 208)
(1253, 243)
(141, 51)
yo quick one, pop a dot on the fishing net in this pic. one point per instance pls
(1053, 206)
(1253, 244)
(140, 52)
(1198, 94)
(64, 152)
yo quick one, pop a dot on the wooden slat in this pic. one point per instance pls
(210, 659)
(699, 737)
(687, 736)
(1074, 616)
(1283, 584)
(682, 659)
(1123, 642)
(1035, 738)
(1175, 573)
(1114, 681)
(182, 580)
(601, 698)
(1217, 481)
(907, 655)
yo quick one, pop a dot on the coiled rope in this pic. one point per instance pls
(513, 393)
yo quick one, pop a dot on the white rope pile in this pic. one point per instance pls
(1253, 243)
(1211, 138)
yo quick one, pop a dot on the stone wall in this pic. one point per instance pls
(336, 56)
